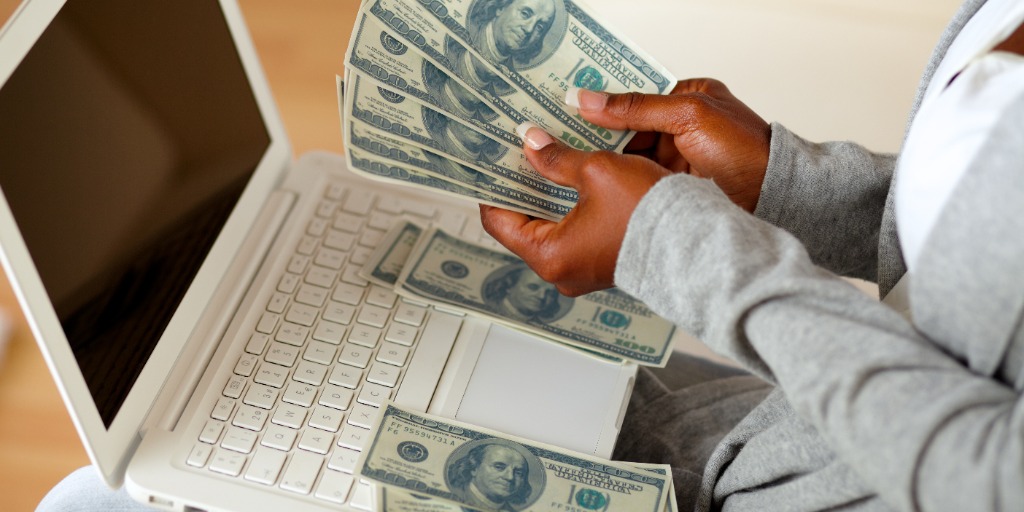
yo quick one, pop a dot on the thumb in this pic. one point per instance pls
(673, 113)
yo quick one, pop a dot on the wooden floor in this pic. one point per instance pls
(301, 45)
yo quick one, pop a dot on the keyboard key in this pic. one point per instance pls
(239, 440)
(382, 221)
(428, 361)
(200, 454)
(301, 472)
(343, 459)
(227, 462)
(234, 387)
(211, 432)
(288, 415)
(374, 316)
(307, 245)
(262, 396)
(336, 397)
(345, 376)
(339, 313)
(251, 418)
(292, 334)
(325, 418)
(288, 283)
(301, 314)
(266, 466)
(310, 373)
(257, 342)
(297, 264)
(371, 238)
(362, 497)
(339, 240)
(393, 354)
(299, 393)
(267, 323)
(360, 255)
(401, 334)
(351, 275)
(420, 209)
(316, 441)
(348, 294)
(374, 395)
(354, 437)
(348, 222)
(322, 277)
(278, 301)
(326, 209)
(279, 437)
(317, 227)
(355, 355)
(281, 354)
(312, 295)
(271, 375)
(334, 486)
(320, 352)
(329, 331)
(222, 411)
(335, 191)
(359, 203)
(410, 314)
(384, 374)
(364, 335)
(380, 296)
(330, 258)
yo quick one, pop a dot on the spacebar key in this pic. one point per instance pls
(428, 361)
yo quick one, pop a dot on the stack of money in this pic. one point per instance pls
(435, 89)
(434, 266)
(421, 463)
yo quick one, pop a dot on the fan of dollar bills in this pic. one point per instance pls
(435, 89)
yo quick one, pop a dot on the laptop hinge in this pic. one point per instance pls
(182, 381)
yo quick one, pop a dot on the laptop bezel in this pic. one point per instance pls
(110, 448)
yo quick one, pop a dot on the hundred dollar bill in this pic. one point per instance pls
(457, 273)
(488, 471)
(413, 122)
(392, 499)
(371, 165)
(386, 261)
(376, 51)
(390, 149)
(524, 54)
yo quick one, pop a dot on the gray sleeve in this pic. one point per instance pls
(885, 399)
(830, 196)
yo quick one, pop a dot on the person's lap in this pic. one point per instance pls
(678, 414)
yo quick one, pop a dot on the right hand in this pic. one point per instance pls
(699, 128)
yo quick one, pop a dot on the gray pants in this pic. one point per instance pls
(678, 414)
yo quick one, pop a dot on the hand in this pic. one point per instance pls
(578, 255)
(700, 129)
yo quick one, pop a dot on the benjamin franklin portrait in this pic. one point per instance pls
(516, 292)
(495, 474)
(460, 140)
(516, 33)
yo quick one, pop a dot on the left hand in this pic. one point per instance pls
(579, 253)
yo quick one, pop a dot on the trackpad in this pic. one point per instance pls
(546, 392)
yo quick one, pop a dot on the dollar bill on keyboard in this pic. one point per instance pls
(489, 471)
(385, 263)
(392, 499)
(447, 270)
(521, 57)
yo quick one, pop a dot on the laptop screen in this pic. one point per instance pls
(129, 132)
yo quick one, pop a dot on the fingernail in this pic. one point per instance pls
(533, 135)
(589, 100)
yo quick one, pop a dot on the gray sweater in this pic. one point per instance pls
(870, 412)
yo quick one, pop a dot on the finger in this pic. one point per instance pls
(673, 113)
(552, 159)
(518, 232)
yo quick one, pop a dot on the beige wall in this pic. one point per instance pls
(827, 69)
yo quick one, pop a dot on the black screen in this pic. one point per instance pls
(128, 133)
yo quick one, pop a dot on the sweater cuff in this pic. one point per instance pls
(778, 179)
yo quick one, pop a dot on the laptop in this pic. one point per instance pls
(195, 289)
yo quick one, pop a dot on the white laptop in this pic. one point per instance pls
(195, 291)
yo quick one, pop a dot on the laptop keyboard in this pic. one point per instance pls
(326, 352)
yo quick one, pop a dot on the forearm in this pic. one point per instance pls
(830, 196)
(905, 416)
